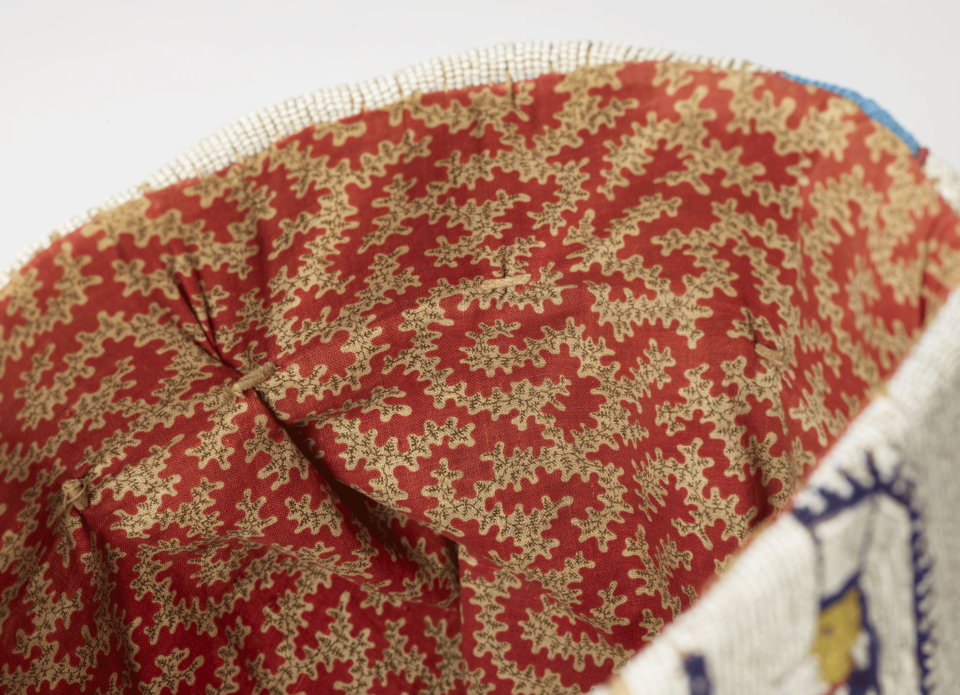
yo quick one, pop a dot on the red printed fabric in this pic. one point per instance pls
(469, 394)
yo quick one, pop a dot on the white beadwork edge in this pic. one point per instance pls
(254, 133)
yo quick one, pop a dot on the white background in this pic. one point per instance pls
(95, 95)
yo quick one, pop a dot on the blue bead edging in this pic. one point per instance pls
(869, 107)
(698, 679)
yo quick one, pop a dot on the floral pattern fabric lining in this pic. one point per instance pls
(472, 393)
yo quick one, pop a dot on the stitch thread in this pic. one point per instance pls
(494, 283)
(75, 493)
(254, 378)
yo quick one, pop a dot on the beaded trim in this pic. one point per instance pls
(945, 178)
(493, 65)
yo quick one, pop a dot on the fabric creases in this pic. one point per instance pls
(473, 393)
(855, 590)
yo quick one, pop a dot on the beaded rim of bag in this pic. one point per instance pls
(499, 64)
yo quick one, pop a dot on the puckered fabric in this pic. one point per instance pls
(473, 393)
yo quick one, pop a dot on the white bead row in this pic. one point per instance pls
(945, 178)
